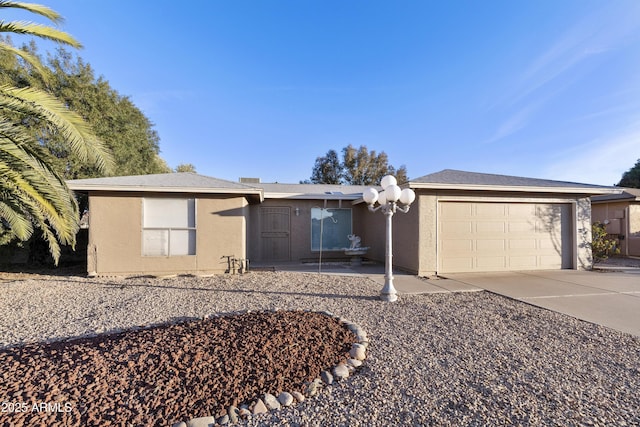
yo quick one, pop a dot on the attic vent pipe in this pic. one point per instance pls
(245, 180)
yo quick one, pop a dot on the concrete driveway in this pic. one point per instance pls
(611, 299)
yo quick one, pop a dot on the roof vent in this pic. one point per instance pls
(245, 180)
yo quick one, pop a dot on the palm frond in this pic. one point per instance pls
(38, 30)
(34, 8)
(26, 56)
(75, 131)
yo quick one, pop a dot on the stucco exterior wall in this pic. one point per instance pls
(115, 235)
(300, 228)
(582, 234)
(623, 219)
(634, 220)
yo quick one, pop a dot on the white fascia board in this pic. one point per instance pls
(148, 189)
(302, 196)
(515, 188)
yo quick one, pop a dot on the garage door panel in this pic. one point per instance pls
(453, 211)
(503, 236)
(550, 244)
(458, 264)
(551, 261)
(491, 262)
(524, 227)
(457, 246)
(457, 228)
(523, 244)
(490, 227)
(490, 245)
(491, 210)
(522, 210)
(523, 262)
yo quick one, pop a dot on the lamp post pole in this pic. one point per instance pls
(388, 292)
(390, 199)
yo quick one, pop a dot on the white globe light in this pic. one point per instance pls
(370, 196)
(407, 196)
(393, 193)
(382, 198)
(388, 180)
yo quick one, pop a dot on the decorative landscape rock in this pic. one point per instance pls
(186, 340)
(458, 359)
(233, 413)
(271, 401)
(355, 363)
(285, 399)
(201, 422)
(326, 377)
(341, 372)
(259, 407)
(313, 387)
(358, 351)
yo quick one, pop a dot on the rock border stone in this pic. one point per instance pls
(269, 402)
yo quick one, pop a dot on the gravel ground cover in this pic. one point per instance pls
(442, 359)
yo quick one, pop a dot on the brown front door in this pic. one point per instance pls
(274, 233)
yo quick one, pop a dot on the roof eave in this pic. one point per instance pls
(303, 196)
(513, 188)
(151, 189)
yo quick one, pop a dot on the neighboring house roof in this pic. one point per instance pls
(627, 195)
(311, 191)
(184, 182)
(461, 180)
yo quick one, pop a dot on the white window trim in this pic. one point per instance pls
(169, 229)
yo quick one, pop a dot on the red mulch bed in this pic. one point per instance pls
(168, 373)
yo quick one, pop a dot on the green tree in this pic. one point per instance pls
(33, 195)
(185, 167)
(327, 169)
(358, 167)
(114, 118)
(631, 178)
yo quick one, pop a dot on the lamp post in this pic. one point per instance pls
(390, 200)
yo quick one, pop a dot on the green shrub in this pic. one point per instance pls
(602, 244)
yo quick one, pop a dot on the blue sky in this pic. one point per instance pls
(544, 88)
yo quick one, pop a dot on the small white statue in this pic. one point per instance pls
(355, 241)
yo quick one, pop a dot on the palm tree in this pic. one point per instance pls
(33, 196)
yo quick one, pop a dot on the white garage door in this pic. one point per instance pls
(483, 236)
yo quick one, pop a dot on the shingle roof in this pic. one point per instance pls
(628, 194)
(466, 180)
(170, 182)
(312, 191)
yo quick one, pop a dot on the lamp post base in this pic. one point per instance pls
(388, 297)
(388, 292)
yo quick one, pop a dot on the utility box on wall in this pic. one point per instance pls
(613, 226)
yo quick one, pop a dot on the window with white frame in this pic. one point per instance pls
(168, 227)
(330, 229)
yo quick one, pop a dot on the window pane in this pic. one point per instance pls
(169, 213)
(183, 242)
(155, 242)
(336, 226)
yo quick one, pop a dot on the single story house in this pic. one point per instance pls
(459, 222)
(620, 213)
